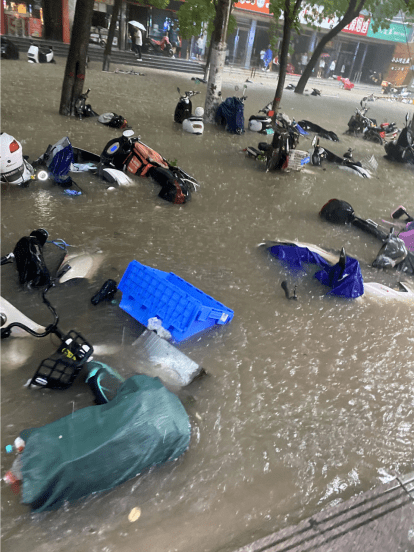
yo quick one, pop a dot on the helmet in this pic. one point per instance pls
(13, 168)
(199, 112)
(255, 125)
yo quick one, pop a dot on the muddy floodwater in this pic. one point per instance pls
(305, 404)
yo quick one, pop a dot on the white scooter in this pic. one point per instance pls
(40, 54)
(14, 169)
(183, 114)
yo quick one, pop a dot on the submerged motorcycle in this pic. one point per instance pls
(14, 167)
(128, 154)
(340, 273)
(40, 54)
(183, 113)
(359, 123)
(402, 149)
(392, 254)
(318, 154)
(282, 154)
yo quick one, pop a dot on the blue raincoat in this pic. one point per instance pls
(347, 283)
(232, 110)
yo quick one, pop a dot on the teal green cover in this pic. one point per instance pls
(99, 447)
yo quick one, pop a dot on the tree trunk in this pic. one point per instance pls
(217, 62)
(107, 52)
(73, 81)
(352, 12)
(283, 62)
(207, 65)
(52, 20)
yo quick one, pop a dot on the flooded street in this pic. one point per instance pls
(305, 404)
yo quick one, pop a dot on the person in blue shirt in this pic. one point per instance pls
(267, 58)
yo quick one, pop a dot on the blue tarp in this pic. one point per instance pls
(232, 110)
(347, 283)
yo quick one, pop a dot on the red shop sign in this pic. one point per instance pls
(359, 26)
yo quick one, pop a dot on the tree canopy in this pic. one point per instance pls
(195, 16)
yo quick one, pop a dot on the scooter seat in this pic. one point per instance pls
(259, 118)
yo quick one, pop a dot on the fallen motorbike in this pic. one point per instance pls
(127, 153)
(230, 113)
(340, 273)
(404, 228)
(347, 163)
(282, 154)
(60, 370)
(402, 149)
(153, 46)
(183, 113)
(40, 54)
(393, 252)
(359, 123)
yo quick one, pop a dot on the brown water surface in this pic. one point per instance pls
(306, 404)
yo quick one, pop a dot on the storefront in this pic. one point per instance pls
(24, 18)
(358, 51)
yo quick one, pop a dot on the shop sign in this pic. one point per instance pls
(35, 27)
(396, 33)
(359, 26)
(259, 6)
(21, 8)
(314, 13)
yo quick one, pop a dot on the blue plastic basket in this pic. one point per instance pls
(183, 309)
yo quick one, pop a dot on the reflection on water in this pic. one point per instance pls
(306, 402)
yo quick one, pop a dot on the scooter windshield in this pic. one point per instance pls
(345, 281)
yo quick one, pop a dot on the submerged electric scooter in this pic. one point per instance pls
(183, 113)
(40, 54)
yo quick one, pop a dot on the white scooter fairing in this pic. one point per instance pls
(194, 124)
(14, 169)
(40, 54)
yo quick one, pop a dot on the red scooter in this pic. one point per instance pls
(163, 46)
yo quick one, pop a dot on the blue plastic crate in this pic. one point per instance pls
(183, 309)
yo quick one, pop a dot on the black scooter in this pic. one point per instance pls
(393, 252)
(318, 154)
(183, 113)
(82, 108)
(402, 149)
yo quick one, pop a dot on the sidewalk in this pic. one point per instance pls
(379, 520)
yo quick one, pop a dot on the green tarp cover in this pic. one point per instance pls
(101, 446)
